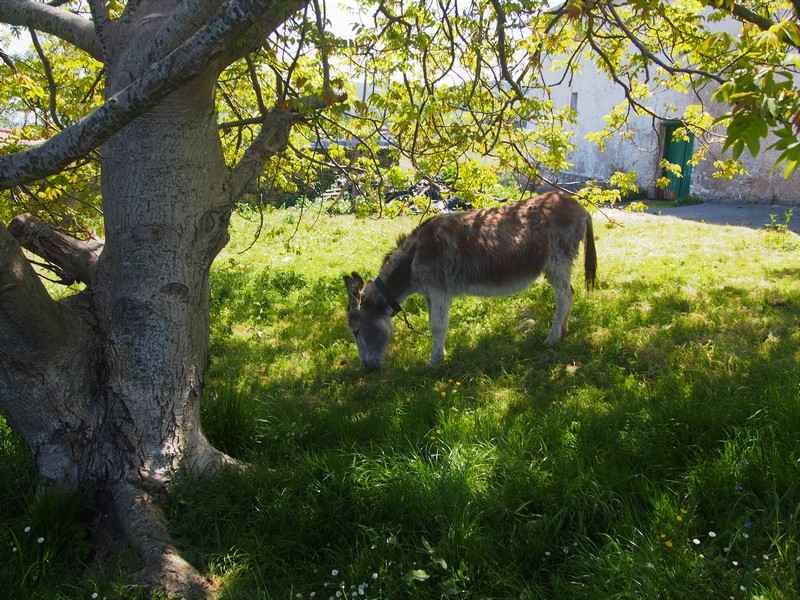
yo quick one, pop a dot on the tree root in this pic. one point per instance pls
(207, 460)
(165, 570)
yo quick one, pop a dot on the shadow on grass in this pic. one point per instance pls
(599, 468)
(664, 412)
(669, 345)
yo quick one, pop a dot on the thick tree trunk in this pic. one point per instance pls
(105, 385)
(116, 371)
(166, 216)
(48, 361)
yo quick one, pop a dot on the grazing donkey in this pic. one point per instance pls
(488, 252)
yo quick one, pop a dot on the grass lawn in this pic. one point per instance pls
(654, 453)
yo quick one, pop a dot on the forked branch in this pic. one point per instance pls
(71, 260)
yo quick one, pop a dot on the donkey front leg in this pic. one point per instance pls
(438, 319)
(564, 296)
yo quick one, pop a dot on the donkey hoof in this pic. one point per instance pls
(435, 361)
(552, 340)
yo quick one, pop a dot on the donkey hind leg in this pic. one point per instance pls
(439, 319)
(560, 278)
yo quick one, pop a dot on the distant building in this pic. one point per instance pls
(593, 95)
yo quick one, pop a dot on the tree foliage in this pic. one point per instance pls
(449, 81)
(454, 80)
(45, 90)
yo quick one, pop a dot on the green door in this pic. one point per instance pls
(678, 152)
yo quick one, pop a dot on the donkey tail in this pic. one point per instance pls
(590, 256)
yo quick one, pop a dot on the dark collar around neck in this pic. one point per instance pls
(393, 303)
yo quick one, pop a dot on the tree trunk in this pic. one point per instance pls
(105, 385)
(166, 218)
(117, 370)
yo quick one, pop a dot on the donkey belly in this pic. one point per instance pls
(496, 288)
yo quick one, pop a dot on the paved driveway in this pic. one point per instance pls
(755, 216)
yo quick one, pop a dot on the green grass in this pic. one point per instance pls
(652, 454)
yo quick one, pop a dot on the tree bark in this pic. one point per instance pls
(63, 24)
(48, 370)
(166, 216)
(105, 385)
(115, 373)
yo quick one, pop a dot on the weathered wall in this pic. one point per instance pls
(640, 147)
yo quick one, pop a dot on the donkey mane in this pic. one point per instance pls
(401, 240)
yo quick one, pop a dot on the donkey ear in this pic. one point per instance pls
(358, 280)
(353, 290)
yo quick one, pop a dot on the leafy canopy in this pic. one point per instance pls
(439, 83)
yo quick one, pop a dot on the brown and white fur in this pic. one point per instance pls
(488, 252)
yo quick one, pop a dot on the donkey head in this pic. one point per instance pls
(369, 318)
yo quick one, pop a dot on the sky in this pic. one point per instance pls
(15, 45)
(341, 17)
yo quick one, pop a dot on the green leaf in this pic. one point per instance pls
(753, 144)
(416, 575)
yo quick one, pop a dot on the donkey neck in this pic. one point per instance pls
(396, 273)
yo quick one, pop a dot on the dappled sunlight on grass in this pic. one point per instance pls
(515, 468)
(651, 453)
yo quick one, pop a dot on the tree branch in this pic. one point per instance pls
(251, 70)
(644, 51)
(70, 259)
(612, 72)
(743, 14)
(9, 62)
(282, 81)
(501, 49)
(30, 320)
(102, 23)
(182, 23)
(160, 79)
(259, 29)
(48, 73)
(55, 21)
(271, 140)
(323, 48)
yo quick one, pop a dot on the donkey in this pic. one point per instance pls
(487, 252)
